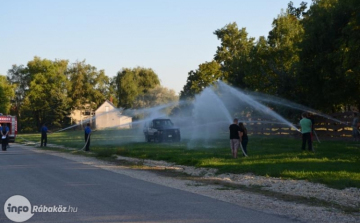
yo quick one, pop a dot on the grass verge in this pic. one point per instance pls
(335, 163)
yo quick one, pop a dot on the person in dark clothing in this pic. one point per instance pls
(1, 132)
(311, 117)
(234, 137)
(4, 136)
(87, 137)
(355, 127)
(44, 131)
(243, 137)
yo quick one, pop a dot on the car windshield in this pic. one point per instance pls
(165, 122)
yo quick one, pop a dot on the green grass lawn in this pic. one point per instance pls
(335, 163)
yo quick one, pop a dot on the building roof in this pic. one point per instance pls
(107, 101)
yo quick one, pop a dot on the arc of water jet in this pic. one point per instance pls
(156, 108)
(88, 120)
(266, 122)
(316, 137)
(296, 106)
(250, 101)
(222, 105)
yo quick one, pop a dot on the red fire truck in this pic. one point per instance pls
(11, 122)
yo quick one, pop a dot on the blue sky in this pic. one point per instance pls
(171, 37)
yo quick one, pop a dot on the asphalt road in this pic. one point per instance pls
(105, 196)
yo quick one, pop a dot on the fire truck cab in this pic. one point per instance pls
(11, 122)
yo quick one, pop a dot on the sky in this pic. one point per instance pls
(170, 36)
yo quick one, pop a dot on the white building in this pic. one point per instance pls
(108, 116)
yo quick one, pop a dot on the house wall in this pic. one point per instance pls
(77, 116)
(125, 122)
(107, 116)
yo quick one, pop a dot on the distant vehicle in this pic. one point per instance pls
(11, 122)
(160, 130)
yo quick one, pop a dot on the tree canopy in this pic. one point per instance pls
(87, 85)
(155, 96)
(311, 56)
(6, 94)
(46, 91)
(129, 83)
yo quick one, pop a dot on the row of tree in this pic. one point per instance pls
(46, 91)
(311, 56)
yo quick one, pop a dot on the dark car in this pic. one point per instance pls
(160, 130)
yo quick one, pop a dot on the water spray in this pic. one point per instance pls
(316, 136)
(255, 104)
(286, 103)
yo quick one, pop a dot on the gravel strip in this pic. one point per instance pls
(301, 212)
(348, 197)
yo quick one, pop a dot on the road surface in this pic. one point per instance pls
(104, 196)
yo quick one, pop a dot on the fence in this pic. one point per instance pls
(324, 127)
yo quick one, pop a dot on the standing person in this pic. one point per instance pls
(234, 137)
(306, 125)
(87, 137)
(311, 117)
(44, 131)
(4, 137)
(355, 127)
(1, 133)
(243, 137)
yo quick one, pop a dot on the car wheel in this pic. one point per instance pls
(147, 138)
(159, 138)
(178, 139)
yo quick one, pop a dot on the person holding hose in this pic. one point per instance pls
(4, 136)
(355, 127)
(87, 137)
(244, 139)
(44, 130)
(234, 137)
(312, 133)
(306, 129)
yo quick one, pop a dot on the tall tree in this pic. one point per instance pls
(7, 93)
(156, 96)
(88, 86)
(47, 95)
(297, 12)
(199, 79)
(233, 52)
(129, 83)
(329, 56)
(112, 91)
(20, 78)
(258, 74)
(283, 58)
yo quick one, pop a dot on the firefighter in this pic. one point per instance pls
(1, 131)
(44, 131)
(87, 137)
(4, 136)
